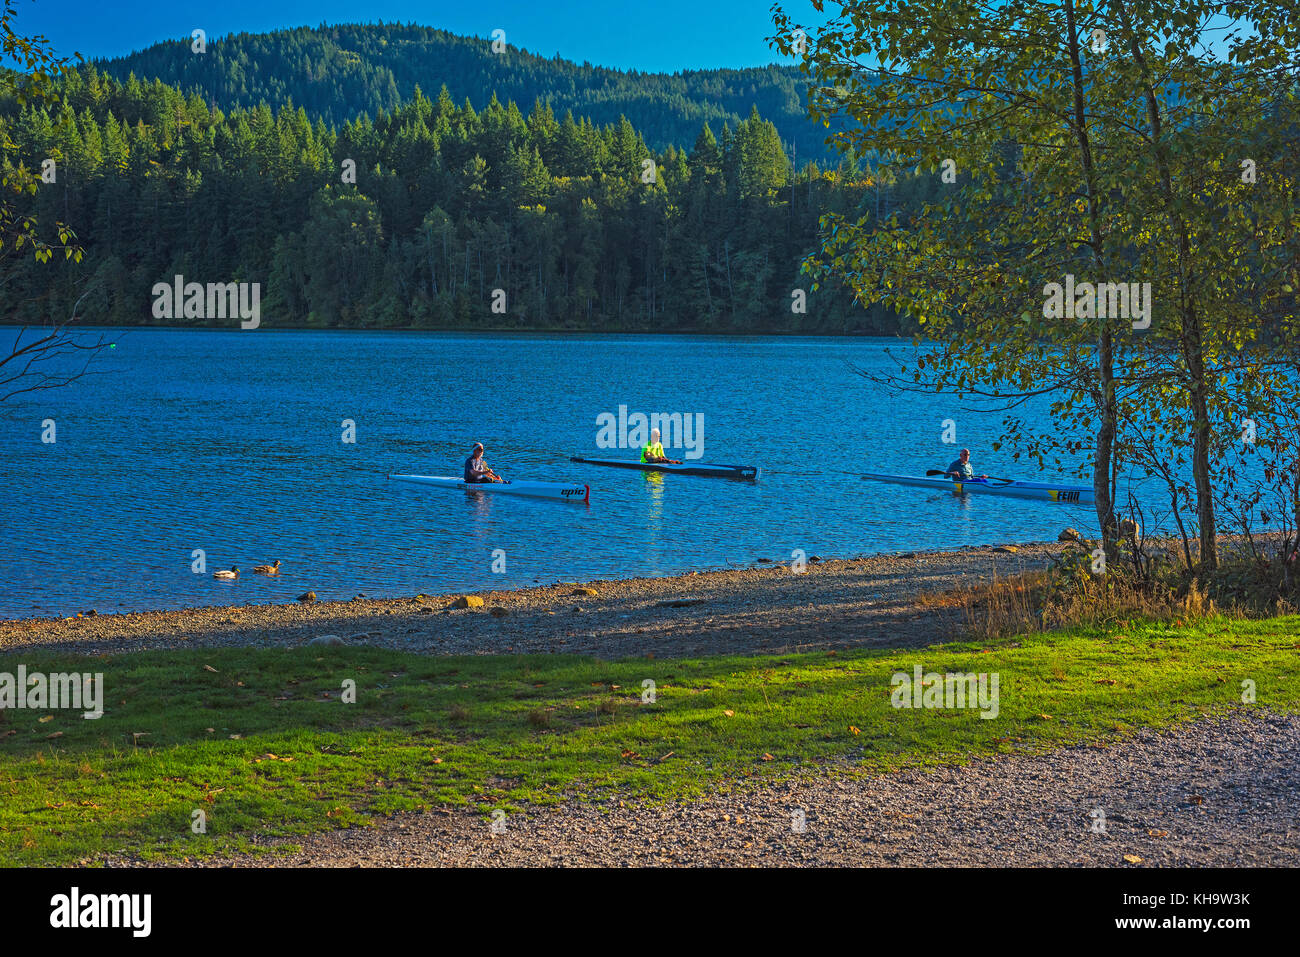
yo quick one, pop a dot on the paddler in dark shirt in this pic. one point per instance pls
(476, 470)
(961, 470)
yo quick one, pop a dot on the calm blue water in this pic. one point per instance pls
(230, 442)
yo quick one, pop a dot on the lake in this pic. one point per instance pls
(232, 442)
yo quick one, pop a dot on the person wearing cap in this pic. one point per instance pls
(961, 470)
(476, 470)
(654, 452)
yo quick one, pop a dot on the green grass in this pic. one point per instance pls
(265, 746)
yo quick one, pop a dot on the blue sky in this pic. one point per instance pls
(651, 35)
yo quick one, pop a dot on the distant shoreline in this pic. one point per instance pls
(474, 330)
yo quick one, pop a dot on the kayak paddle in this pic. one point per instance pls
(986, 478)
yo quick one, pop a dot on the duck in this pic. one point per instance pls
(233, 573)
(268, 569)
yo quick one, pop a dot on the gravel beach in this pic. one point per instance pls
(767, 608)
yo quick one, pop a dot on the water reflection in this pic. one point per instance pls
(480, 505)
(654, 483)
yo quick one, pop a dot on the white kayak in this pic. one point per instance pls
(1076, 494)
(566, 493)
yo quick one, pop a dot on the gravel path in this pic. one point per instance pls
(864, 602)
(1216, 792)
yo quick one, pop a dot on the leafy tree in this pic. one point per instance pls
(1073, 161)
(52, 356)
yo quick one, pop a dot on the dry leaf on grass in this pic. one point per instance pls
(270, 757)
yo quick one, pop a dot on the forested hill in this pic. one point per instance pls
(337, 73)
(433, 215)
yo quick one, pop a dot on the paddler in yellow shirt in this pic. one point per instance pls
(654, 452)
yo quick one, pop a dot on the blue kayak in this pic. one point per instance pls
(1045, 491)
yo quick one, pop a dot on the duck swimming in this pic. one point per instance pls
(268, 569)
(232, 573)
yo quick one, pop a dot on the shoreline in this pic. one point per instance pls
(475, 329)
(869, 601)
(449, 594)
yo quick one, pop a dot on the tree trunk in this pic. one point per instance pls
(1102, 483)
(1109, 429)
(1190, 332)
(1201, 453)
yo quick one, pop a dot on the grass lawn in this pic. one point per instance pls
(263, 743)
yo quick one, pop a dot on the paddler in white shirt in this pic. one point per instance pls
(476, 470)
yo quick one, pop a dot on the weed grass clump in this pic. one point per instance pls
(1077, 589)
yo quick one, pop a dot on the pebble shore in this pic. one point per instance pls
(767, 608)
